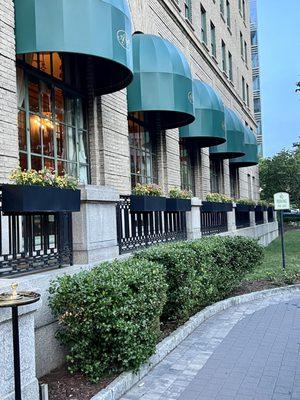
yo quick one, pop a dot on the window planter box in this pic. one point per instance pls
(244, 208)
(210, 206)
(26, 199)
(147, 203)
(179, 205)
(261, 208)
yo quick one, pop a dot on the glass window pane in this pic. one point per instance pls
(57, 66)
(32, 59)
(33, 94)
(69, 111)
(83, 147)
(45, 63)
(48, 142)
(23, 161)
(61, 141)
(36, 163)
(49, 163)
(45, 93)
(59, 104)
(71, 138)
(22, 130)
(35, 136)
(20, 88)
(83, 173)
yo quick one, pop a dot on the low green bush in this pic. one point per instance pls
(203, 271)
(109, 317)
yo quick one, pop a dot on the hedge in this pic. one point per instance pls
(203, 271)
(109, 317)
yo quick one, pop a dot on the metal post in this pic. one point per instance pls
(16, 346)
(282, 240)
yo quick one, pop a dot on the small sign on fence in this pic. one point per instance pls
(282, 201)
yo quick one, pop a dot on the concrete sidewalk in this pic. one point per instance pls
(248, 352)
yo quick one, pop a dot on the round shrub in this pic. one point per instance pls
(109, 317)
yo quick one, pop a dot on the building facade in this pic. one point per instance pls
(256, 74)
(106, 145)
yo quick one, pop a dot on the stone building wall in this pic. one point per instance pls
(8, 90)
(109, 138)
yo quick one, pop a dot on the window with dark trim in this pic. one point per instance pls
(234, 182)
(52, 115)
(203, 25)
(216, 176)
(186, 168)
(142, 150)
(213, 39)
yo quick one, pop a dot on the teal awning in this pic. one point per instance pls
(208, 129)
(162, 82)
(98, 28)
(234, 145)
(251, 150)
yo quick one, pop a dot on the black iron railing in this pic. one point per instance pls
(242, 219)
(259, 217)
(33, 242)
(213, 222)
(137, 230)
(270, 215)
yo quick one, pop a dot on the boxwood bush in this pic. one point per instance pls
(109, 317)
(203, 271)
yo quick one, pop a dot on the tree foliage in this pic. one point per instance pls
(281, 173)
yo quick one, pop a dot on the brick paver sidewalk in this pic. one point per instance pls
(249, 352)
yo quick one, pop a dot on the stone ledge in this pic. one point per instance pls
(99, 194)
(128, 379)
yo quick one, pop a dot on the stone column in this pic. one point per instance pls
(266, 221)
(231, 220)
(30, 389)
(252, 218)
(95, 227)
(193, 220)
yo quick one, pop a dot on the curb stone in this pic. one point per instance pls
(127, 380)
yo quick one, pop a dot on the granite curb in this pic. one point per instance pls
(128, 379)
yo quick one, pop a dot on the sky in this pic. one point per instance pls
(279, 46)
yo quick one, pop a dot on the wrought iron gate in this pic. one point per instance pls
(140, 230)
(34, 242)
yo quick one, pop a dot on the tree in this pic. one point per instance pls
(281, 173)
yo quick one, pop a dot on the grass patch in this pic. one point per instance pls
(271, 268)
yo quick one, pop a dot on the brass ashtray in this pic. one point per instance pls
(16, 299)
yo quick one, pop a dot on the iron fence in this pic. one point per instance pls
(242, 219)
(213, 222)
(33, 242)
(138, 230)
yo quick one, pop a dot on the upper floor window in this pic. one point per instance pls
(203, 25)
(257, 105)
(254, 38)
(230, 67)
(222, 8)
(188, 9)
(224, 62)
(247, 95)
(243, 89)
(234, 182)
(142, 150)
(255, 60)
(228, 14)
(213, 43)
(256, 83)
(246, 52)
(244, 9)
(242, 44)
(52, 115)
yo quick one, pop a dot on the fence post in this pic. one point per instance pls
(95, 226)
(231, 219)
(193, 220)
